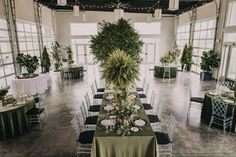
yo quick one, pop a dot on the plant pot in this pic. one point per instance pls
(56, 65)
(187, 68)
(205, 76)
(45, 69)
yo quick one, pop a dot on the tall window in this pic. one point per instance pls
(204, 34)
(48, 37)
(231, 14)
(28, 38)
(183, 35)
(80, 41)
(7, 72)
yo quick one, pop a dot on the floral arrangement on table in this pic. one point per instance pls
(121, 71)
(3, 92)
(171, 57)
(30, 63)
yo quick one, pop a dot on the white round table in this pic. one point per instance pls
(31, 86)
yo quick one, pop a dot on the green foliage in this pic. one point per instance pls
(187, 55)
(56, 53)
(209, 61)
(120, 69)
(27, 61)
(120, 35)
(45, 62)
(69, 55)
(171, 57)
(3, 91)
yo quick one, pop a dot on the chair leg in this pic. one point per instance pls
(210, 123)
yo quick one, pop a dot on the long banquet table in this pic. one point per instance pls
(137, 144)
(13, 120)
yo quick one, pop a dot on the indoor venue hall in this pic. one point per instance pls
(117, 78)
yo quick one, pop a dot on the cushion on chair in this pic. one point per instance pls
(153, 118)
(162, 138)
(34, 111)
(142, 96)
(94, 108)
(147, 106)
(86, 137)
(92, 120)
(139, 89)
(98, 96)
(100, 89)
(197, 99)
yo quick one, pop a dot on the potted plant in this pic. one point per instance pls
(120, 35)
(56, 55)
(209, 62)
(30, 63)
(186, 59)
(121, 70)
(69, 55)
(3, 92)
(45, 62)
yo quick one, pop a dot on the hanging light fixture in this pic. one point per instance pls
(61, 2)
(76, 10)
(173, 5)
(118, 14)
(158, 12)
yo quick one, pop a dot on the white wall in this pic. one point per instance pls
(47, 15)
(63, 20)
(25, 10)
(2, 9)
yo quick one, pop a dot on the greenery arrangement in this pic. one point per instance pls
(29, 62)
(3, 92)
(45, 62)
(187, 56)
(120, 35)
(121, 70)
(171, 57)
(209, 61)
(56, 55)
(69, 55)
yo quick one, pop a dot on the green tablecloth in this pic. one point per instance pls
(73, 72)
(139, 144)
(207, 112)
(13, 120)
(159, 70)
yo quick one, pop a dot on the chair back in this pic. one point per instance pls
(146, 89)
(144, 82)
(160, 109)
(219, 108)
(93, 89)
(84, 110)
(88, 102)
(96, 83)
(171, 127)
(75, 122)
(153, 97)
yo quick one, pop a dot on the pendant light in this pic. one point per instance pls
(118, 14)
(173, 5)
(76, 10)
(158, 12)
(61, 2)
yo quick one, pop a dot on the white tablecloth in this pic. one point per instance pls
(29, 86)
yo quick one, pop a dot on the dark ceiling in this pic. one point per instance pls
(133, 6)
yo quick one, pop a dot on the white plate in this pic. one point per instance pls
(105, 122)
(108, 107)
(134, 129)
(140, 122)
(136, 107)
(213, 93)
(228, 101)
(113, 116)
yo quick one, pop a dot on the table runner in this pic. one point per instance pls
(138, 144)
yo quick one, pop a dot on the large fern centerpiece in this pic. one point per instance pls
(120, 35)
